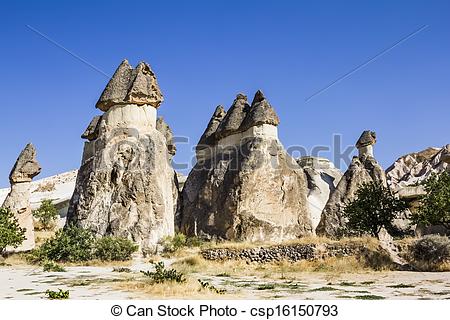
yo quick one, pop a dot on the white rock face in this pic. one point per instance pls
(322, 178)
(416, 167)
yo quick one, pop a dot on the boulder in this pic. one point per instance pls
(18, 199)
(247, 187)
(363, 169)
(125, 185)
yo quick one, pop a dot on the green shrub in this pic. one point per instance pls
(57, 295)
(114, 249)
(374, 207)
(161, 274)
(51, 266)
(11, 234)
(173, 244)
(47, 214)
(429, 252)
(435, 205)
(71, 244)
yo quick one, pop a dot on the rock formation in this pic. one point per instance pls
(414, 168)
(18, 199)
(363, 168)
(125, 184)
(244, 185)
(404, 178)
(322, 179)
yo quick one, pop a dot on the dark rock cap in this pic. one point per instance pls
(261, 112)
(26, 166)
(131, 86)
(234, 117)
(164, 128)
(208, 137)
(367, 138)
(91, 132)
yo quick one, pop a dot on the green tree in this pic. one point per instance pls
(11, 234)
(435, 205)
(46, 214)
(374, 207)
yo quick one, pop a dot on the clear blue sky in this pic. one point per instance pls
(204, 52)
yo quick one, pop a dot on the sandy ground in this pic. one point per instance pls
(27, 282)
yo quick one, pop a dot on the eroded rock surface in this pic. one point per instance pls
(18, 199)
(363, 169)
(125, 186)
(322, 179)
(245, 186)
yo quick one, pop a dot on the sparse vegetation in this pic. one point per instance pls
(11, 234)
(71, 244)
(369, 297)
(207, 286)
(47, 214)
(174, 243)
(74, 244)
(51, 266)
(57, 295)
(435, 205)
(430, 253)
(122, 270)
(402, 286)
(373, 208)
(114, 249)
(161, 274)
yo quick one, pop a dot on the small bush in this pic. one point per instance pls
(173, 244)
(162, 274)
(51, 266)
(57, 295)
(72, 244)
(207, 286)
(11, 234)
(429, 252)
(46, 214)
(122, 270)
(114, 249)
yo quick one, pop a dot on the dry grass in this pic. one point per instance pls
(281, 270)
(170, 290)
(41, 236)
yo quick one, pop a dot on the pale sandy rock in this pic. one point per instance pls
(363, 169)
(125, 185)
(249, 189)
(322, 179)
(414, 168)
(18, 199)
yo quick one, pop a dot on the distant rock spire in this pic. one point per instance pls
(164, 128)
(131, 86)
(26, 166)
(261, 112)
(208, 137)
(365, 143)
(234, 117)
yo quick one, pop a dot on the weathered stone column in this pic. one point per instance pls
(18, 199)
(125, 183)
